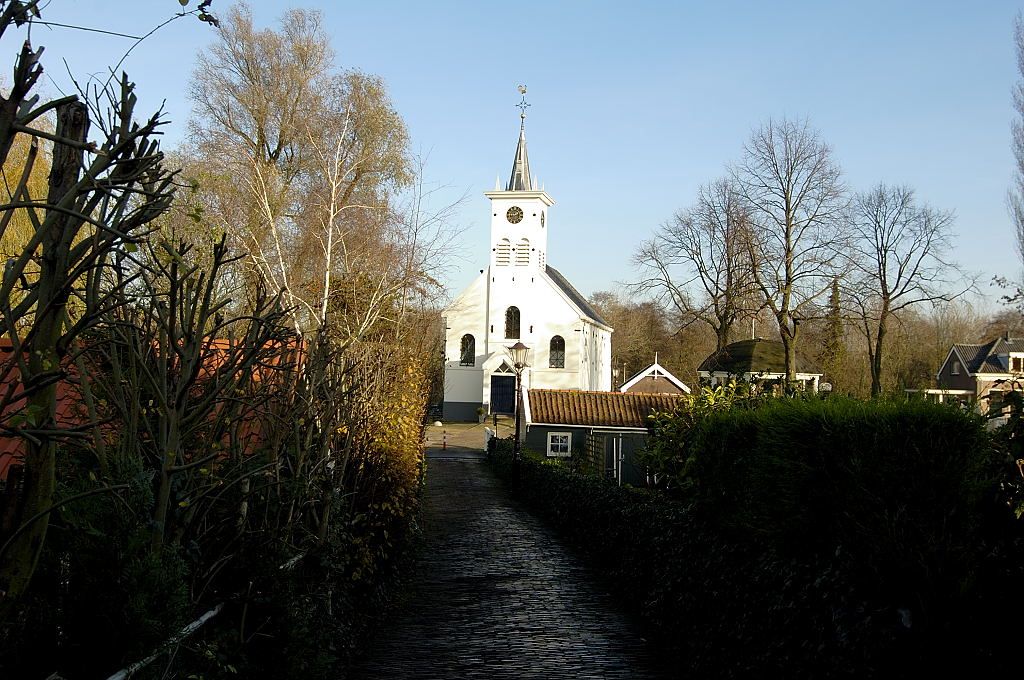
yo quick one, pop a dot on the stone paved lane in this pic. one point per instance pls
(495, 595)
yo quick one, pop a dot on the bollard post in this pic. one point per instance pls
(444, 440)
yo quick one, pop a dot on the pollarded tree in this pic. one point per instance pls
(104, 191)
(900, 260)
(698, 262)
(793, 193)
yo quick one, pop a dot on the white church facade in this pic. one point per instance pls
(520, 298)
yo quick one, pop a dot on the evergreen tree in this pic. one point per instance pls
(833, 354)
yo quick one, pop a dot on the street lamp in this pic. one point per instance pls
(519, 353)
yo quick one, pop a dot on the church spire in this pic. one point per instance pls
(520, 179)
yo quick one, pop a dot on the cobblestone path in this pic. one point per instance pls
(495, 595)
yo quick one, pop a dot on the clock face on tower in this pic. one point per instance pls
(514, 214)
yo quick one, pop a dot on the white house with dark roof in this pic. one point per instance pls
(757, 361)
(520, 298)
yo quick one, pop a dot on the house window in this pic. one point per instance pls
(556, 353)
(512, 323)
(503, 256)
(1017, 364)
(559, 444)
(955, 370)
(467, 351)
(523, 253)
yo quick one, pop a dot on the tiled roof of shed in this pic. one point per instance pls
(597, 409)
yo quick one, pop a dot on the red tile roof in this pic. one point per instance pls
(597, 409)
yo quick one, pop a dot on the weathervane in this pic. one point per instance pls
(522, 106)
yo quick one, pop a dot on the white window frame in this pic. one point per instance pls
(1018, 359)
(568, 445)
(955, 368)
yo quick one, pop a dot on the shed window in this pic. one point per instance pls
(556, 353)
(560, 444)
(512, 323)
(1017, 364)
(955, 370)
(467, 351)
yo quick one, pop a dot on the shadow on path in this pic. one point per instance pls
(496, 595)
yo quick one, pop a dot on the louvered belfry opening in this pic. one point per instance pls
(523, 253)
(503, 254)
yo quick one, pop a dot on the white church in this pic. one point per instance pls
(520, 298)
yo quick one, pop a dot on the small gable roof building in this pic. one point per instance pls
(605, 430)
(655, 379)
(756, 360)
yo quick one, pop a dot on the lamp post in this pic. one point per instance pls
(519, 353)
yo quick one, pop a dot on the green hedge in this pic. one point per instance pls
(816, 539)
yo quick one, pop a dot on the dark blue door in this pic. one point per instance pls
(503, 394)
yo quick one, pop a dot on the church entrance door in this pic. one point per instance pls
(503, 394)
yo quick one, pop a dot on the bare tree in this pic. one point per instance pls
(698, 262)
(1015, 196)
(299, 161)
(794, 195)
(900, 260)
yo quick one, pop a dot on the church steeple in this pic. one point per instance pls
(519, 220)
(520, 179)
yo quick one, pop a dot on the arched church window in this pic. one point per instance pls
(556, 352)
(467, 351)
(512, 323)
(523, 253)
(503, 257)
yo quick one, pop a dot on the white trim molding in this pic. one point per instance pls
(655, 370)
(566, 442)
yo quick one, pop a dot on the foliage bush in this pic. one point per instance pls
(815, 538)
(214, 413)
(673, 431)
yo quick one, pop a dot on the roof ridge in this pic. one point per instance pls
(574, 295)
(569, 391)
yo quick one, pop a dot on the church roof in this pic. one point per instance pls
(574, 295)
(520, 179)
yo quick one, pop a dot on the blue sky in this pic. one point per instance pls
(634, 105)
